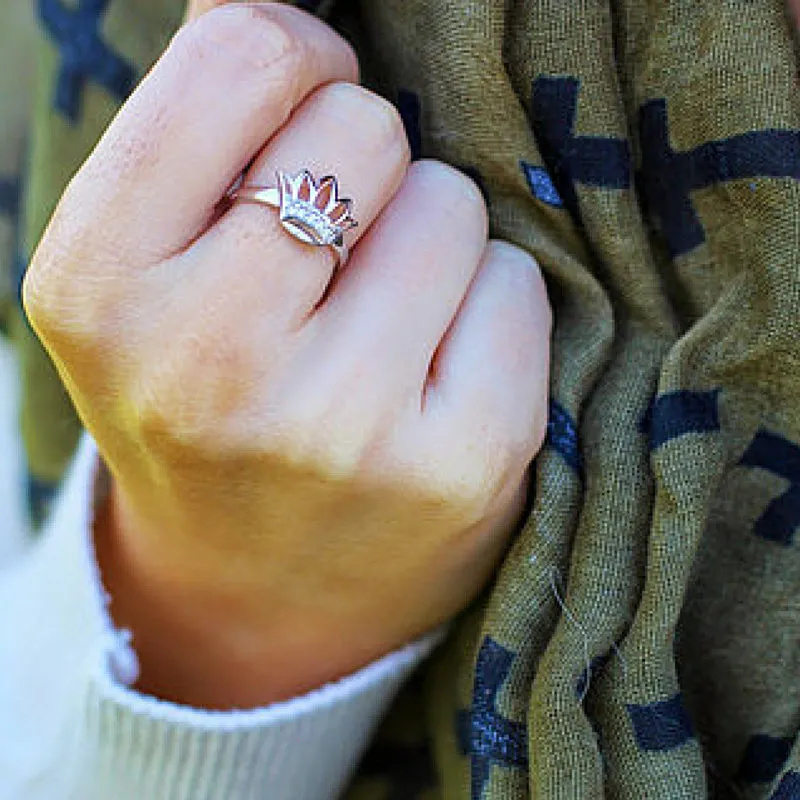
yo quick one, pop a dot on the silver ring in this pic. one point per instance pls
(310, 211)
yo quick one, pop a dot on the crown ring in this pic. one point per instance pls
(310, 211)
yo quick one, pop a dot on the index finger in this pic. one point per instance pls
(225, 84)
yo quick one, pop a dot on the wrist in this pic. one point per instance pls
(205, 642)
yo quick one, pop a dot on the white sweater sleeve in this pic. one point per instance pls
(70, 726)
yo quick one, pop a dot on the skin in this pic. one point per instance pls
(305, 477)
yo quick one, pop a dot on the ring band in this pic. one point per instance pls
(311, 212)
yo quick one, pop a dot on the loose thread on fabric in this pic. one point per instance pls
(555, 580)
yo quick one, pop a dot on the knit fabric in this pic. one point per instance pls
(640, 639)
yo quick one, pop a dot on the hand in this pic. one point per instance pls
(304, 478)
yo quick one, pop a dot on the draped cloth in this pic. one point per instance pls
(641, 638)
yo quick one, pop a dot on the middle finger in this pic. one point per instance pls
(342, 130)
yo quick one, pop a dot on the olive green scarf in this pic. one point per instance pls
(642, 638)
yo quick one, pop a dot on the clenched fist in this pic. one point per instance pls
(310, 467)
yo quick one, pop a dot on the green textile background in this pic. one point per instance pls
(642, 638)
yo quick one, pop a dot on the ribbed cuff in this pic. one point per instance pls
(305, 748)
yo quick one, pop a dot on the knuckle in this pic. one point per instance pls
(512, 257)
(522, 277)
(154, 426)
(59, 315)
(337, 457)
(343, 453)
(459, 194)
(481, 478)
(37, 301)
(170, 428)
(172, 445)
(189, 402)
(245, 36)
(379, 122)
(74, 309)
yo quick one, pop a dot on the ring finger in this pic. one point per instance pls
(342, 130)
